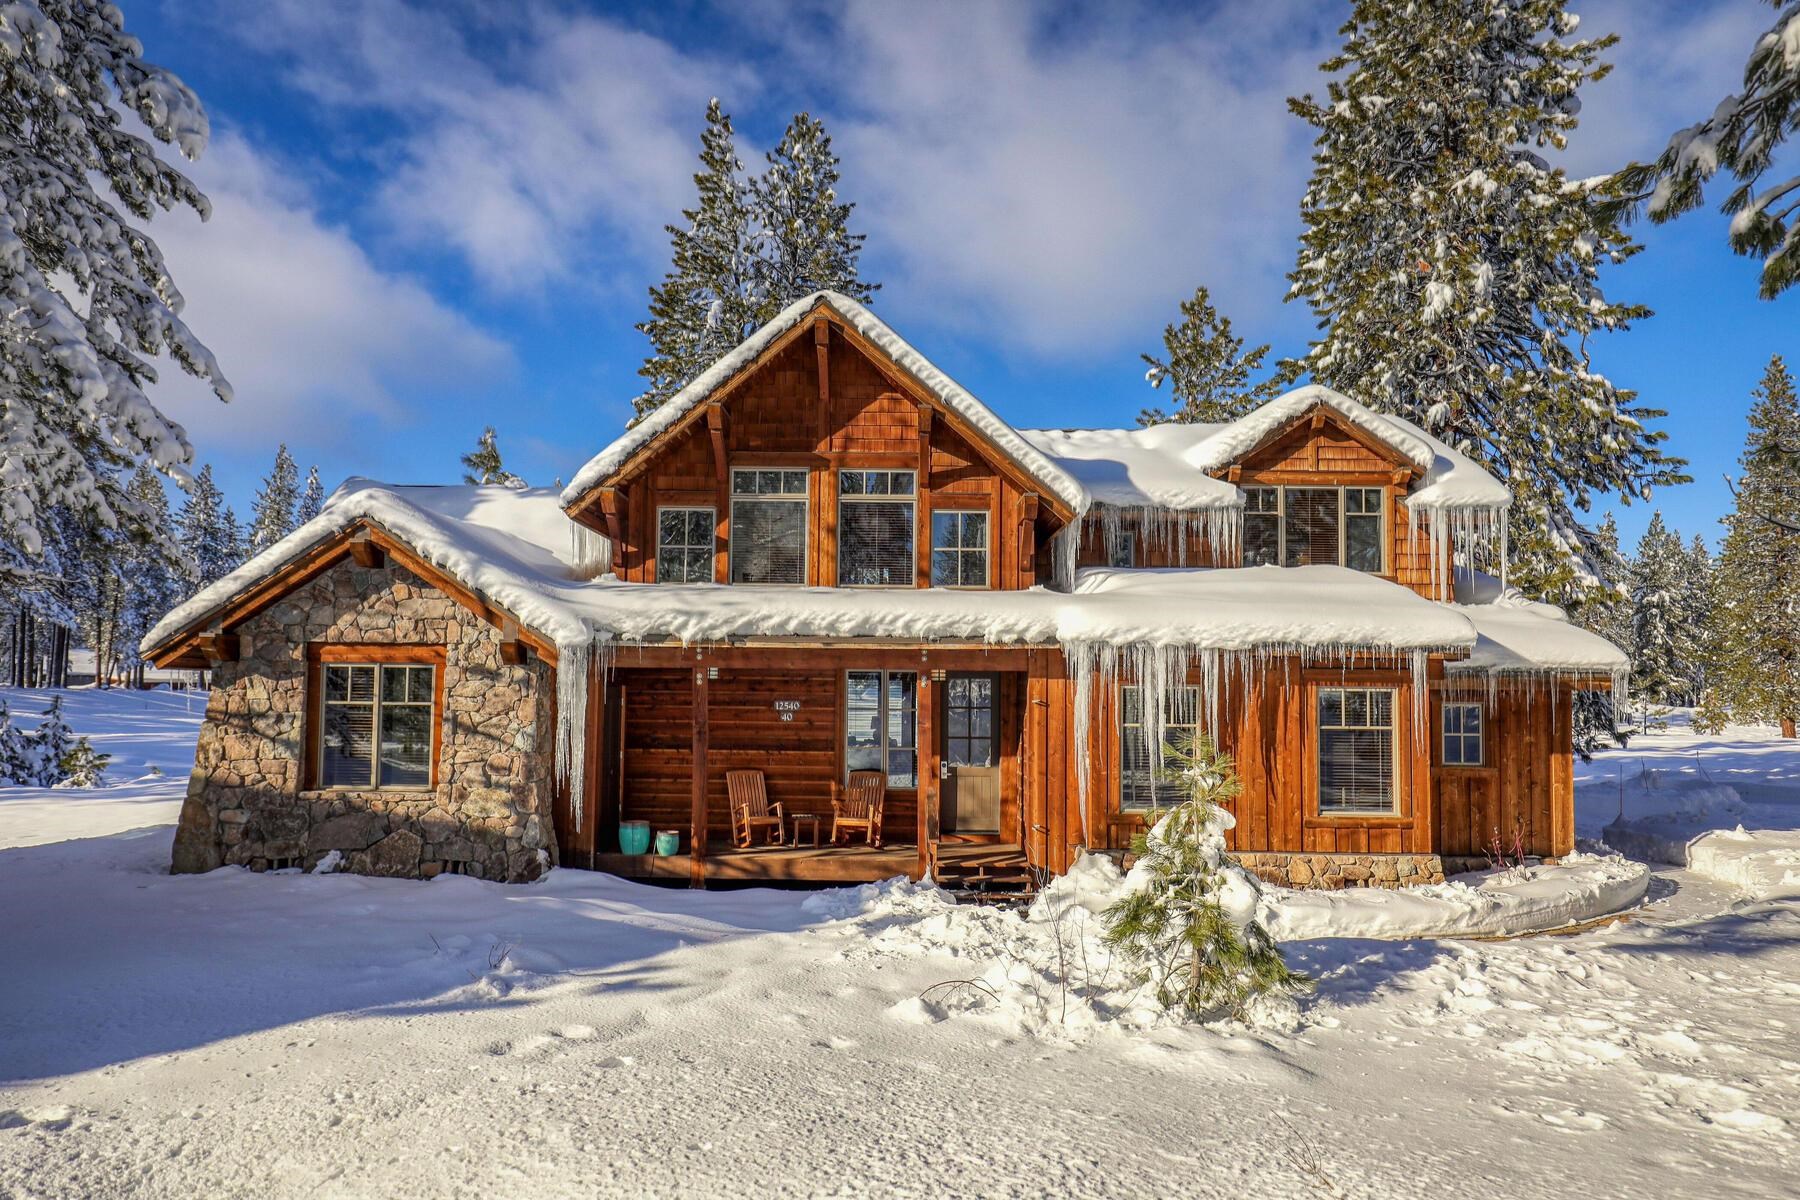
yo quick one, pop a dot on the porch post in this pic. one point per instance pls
(697, 836)
(928, 775)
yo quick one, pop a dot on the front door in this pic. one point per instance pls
(971, 795)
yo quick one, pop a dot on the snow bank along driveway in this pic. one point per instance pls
(290, 1035)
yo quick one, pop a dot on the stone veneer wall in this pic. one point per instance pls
(1343, 870)
(490, 813)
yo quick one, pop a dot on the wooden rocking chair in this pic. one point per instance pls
(751, 810)
(859, 807)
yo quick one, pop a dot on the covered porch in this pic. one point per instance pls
(943, 725)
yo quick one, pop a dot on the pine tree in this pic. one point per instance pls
(1695, 612)
(45, 748)
(154, 574)
(1753, 660)
(273, 508)
(1658, 672)
(1456, 275)
(90, 301)
(707, 303)
(1191, 926)
(1741, 136)
(1603, 608)
(312, 498)
(207, 532)
(483, 465)
(1207, 369)
(804, 242)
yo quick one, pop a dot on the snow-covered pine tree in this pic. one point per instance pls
(312, 498)
(275, 503)
(804, 243)
(483, 465)
(1753, 660)
(1189, 917)
(1741, 137)
(1605, 609)
(154, 575)
(45, 748)
(1455, 274)
(1695, 610)
(90, 300)
(12, 749)
(1207, 368)
(207, 531)
(707, 302)
(1658, 570)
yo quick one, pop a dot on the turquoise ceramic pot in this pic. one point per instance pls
(634, 837)
(668, 842)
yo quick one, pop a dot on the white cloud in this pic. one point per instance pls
(321, 345)
(539, 145)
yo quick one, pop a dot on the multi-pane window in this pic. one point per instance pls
(1299, 526)
(377, 725)
(969, 721)
(1121, 548)
(1356, 750)
(1139, 787)
(768, 526)
(881, 725)
(1462, 735)
(684, 545)
(876, 529)
(959, 549)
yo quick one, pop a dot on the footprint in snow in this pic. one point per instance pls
(617, 1060)
(834, 1042)
(576, 1033)
(55, 1118)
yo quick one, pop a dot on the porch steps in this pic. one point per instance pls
(987, 878)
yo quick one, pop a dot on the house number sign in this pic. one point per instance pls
(787, 708)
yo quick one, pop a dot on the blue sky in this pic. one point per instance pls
(431, 217)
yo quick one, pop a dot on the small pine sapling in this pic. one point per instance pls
(46, 747)
(1191, 926)
(12, 750)
(83, 766)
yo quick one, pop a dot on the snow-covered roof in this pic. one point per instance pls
(1521, 636)
(877, 332)
(1166, 466)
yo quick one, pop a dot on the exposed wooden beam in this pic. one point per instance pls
(930, 786)
(612, 504)
(715, 428)
(218, 646)
(512, 650)
(364, 552)
(697, 835)
(822, 346)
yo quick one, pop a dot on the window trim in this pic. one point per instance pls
(806, 501)
(1384, 537)
(1480, 735)
(368, 654)
(1400, 811)
(987, 548)
(843, 724)
(713, 574)
(1120, 725)
(911, 498)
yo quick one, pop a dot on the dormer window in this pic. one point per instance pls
(876, 529)
(1301, 526)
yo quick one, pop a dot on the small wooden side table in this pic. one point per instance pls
(806, 818)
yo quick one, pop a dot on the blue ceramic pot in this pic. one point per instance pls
(668, 842)
(634, 837)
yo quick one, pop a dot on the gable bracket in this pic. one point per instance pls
(715, 428)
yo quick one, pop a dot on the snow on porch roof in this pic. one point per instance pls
(1166, 466)
(878, 333)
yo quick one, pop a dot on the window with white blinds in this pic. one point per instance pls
(881, 725)
(1139, 788)
(1356, 750)
(768, 526)
(377, 727)
(684, 545)
(1300, 526)
(1462, 735)
(876, 529)
(959, 549)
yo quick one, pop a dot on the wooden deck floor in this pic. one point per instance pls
(823, 865)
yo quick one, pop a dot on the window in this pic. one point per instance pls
(1462, 735)
(1121, 548)
(1356, 750)
(1299, 526)
(959, 549)
(378, 725)
(875, 529)
(881, 725)
(768, 526)
(1139, 788)
(684, 545)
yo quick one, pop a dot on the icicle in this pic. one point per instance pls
(1174, 530)
(590, 552)
(572, 663)
(1456, 536)
(1065, 551)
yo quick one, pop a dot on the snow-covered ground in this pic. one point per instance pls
(292, 1035)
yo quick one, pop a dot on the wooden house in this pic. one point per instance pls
(824, 558)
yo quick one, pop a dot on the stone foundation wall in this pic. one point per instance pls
(1343, 870)
(490, 812)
